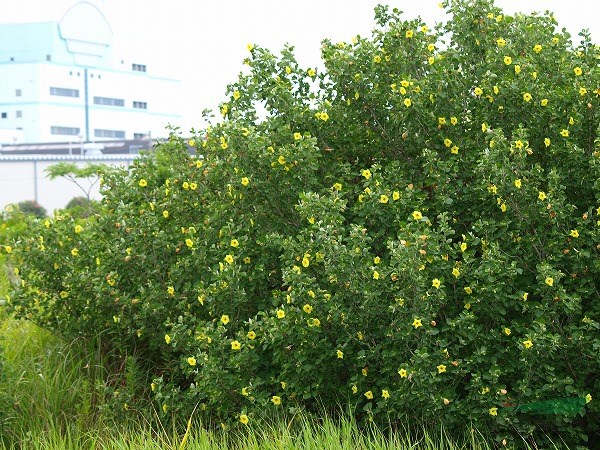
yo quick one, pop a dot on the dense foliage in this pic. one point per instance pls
(413, 229)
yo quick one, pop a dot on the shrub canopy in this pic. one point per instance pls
(413, 229)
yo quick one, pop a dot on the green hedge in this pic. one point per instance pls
(413, 230)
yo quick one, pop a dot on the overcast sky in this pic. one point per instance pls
(203, 42)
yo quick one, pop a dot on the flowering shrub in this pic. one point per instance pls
(413, 230)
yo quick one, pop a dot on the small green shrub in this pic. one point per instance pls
(413, 230)
(33, 208)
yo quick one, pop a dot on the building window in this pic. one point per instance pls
(109, 134)
(4, 115)
(138, 67)
(140, 136)
(140, 105)
(67, 131)
(18, 92)
(19, 113)
(64, 92)
(107, 101)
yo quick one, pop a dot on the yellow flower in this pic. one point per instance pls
(403, 373)
(229, 259)
(463, 246)
(377, 59)
(564, 133)
(517, 69)
(430, 47)
(364, 371)
(582, 91)
(305, 261)
(193, 186)
(281, 159)
(431, 60)
(167, 339)
(549, 281)
(251, 335)
(484, 127)
(493, 411)
(244, 419)
(276, 400)
(280, 313)
(574, 233)
(354, 389)
(74, 252)
(224, 144)
(527, 97)
(192, 143)
(64, 294)
(165, 214)
(447, 142)
(588, 398)
(518, 183)
(441, 368)
(235, 345)
(417, 323)
(527, 344)
(297, 136)
(501, 42)
(143, 183)
(224, 319)
(507, 60)
(506, 331)
(383, 199)
(436, 283)
(376, 275)
(369, 395)
(337, 186)
(191, 361)
(288, 69)
(385, 394)
(340, 354)
(456, 272)
(250, 47)
(366, 173)
(468, 290)
(311, 72)
(395, 195)
(544, 102)
(571, 121)
(577, 71)
(503, 207)
(236, 95)
(245, 392)
(407, 102)
(453, 120)
(171, 290)
(424, 29)
(409, 33)
(307, 308)
(547, 142)
(454, 150)
(245, 181)
(467, 306)
(537, 48)
(224, 110)
(478, 91)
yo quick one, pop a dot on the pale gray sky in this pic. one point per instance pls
(203, 42)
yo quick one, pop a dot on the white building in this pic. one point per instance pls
(62, 82)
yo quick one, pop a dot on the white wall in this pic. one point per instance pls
(25, 179)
